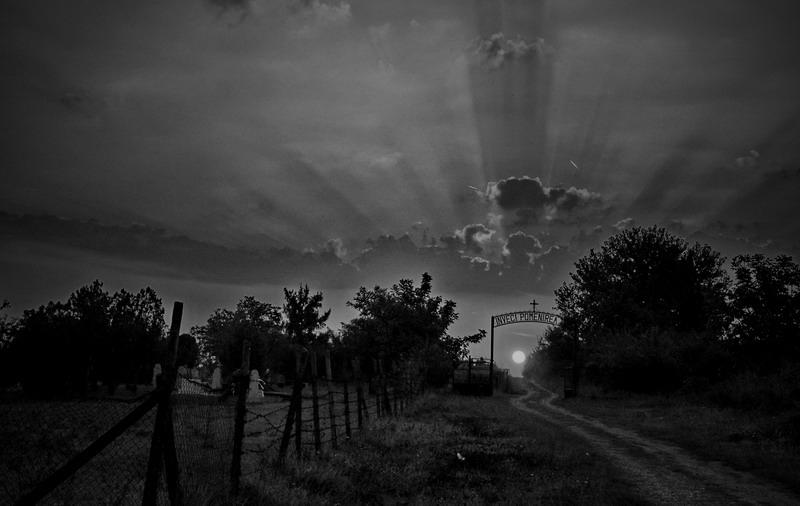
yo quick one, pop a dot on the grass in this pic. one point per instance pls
(449, 449)
(765, 442)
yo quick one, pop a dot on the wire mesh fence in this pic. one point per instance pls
(325, 415)
(41, 436)
(204, 441)
(203, 421)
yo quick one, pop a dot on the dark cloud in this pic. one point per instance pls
(520, 249)
(529, 201)
(475, 237)
(178, 256)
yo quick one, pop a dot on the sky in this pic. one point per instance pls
(214, 149)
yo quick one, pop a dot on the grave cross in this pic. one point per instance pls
(534, 304)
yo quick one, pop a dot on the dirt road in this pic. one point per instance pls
(661, 473)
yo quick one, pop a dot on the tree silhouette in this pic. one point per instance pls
(766, 309)
(303, 317)
(405, 322)
(646, 308)
(92, 337)
(225, 331)
(645, 278)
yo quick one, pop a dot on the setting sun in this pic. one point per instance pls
(518, 357)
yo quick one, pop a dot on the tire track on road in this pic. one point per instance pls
(662, 473)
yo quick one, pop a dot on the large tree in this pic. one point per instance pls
(404, 322)
(93, 336)
(252, 320)
(646, 307)
(136, 329)
(766, 309)
(642, 279)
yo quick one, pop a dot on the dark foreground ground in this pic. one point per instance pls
(660, 471)
(451, 449)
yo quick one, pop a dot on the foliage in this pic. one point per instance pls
(554, 352)
(302, 312)
(136, 328)
(188, 351)
(405, 322)
(643, 306)
(642, 279)
(94, 336)
(766, 308)
(7, 328)
(226, 330)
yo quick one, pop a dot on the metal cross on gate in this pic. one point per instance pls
(534, 304)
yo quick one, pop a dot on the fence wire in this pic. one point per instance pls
(38, 437)
(203, 421)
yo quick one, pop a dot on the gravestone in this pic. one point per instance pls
(216, 379)
(255, 385)
(195, 373)
(156, 372)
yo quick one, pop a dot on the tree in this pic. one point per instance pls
(93, 336)
(766, 308)
(188, 351)
(303, 317)
(553, 353)
(8, 374)
(44, 348)
(404, 322)
(643, 279)
(258, 322)
(93, 351)
(136, 329)
(639, 304)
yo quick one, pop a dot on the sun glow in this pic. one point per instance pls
(518, 357)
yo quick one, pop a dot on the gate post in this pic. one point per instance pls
(491, 361)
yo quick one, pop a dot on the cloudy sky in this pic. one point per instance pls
(219, 148)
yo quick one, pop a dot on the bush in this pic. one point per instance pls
(654, 361)
(751, 391)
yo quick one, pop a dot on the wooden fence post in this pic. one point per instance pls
(331, 405)
(315, 403)
(294, 409)
(346, 398)
(162, 444)
(298, 416)
(243, 384)
(359, 392)
(328, 368)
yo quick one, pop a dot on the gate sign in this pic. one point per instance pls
(525, 317)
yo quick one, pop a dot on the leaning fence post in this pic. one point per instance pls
(294, 408)
(162, 444)
(243, 383)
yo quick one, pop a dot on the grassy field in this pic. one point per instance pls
(449, 449)
(763, 442)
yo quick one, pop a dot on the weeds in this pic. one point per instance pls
(449, 450)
